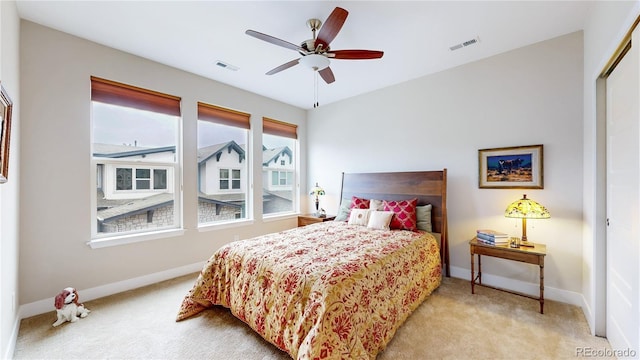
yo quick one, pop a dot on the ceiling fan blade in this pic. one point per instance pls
(331, 27)
(327, 75)
(272, 40)
(355, 54)
(283, 67)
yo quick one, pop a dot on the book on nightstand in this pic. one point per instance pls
(492, 237)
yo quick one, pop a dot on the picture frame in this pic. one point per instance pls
(6, 107)
(516, 167)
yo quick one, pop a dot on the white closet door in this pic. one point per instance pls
(623, 199)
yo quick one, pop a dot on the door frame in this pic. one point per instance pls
(599, 273)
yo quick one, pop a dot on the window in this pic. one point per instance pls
(123, 179)
(159, 179)
(135, 145)
(235, 179)
(279, 167)
(223, 136)
(282, 178)
(143, 179)
(225, 180)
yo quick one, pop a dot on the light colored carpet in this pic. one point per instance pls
(450, 324)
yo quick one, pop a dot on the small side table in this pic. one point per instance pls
(307, 219)
(530, 255)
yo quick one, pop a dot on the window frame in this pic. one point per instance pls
(219, 115)
(279, 128)
(124, 95)
(174, 181)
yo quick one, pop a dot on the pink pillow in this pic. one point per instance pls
(359, 203)
(404, 214)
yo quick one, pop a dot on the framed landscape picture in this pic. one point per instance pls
(517, 167)
(5, 133)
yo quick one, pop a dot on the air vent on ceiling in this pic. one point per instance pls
(225, 65)
(465, 44)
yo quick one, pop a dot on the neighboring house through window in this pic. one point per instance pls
(135, 158)
(223, 136)
(279, 168)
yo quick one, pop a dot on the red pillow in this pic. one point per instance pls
(404, 211)
(359, 203)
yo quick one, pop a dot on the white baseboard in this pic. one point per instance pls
(533, 289)
(588, 314)
(46, 305)
(11, 346)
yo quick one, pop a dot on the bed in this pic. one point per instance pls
(334, 289)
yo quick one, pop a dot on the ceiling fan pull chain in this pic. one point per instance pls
(315, 89)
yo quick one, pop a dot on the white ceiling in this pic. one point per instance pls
(414, 35)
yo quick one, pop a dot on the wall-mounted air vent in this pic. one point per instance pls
(465, 44)
(225, 65)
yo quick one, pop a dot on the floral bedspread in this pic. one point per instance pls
(326, 290)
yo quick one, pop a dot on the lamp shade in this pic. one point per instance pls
(526, 209)
(317, 190)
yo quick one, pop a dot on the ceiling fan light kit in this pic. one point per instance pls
(315, 61)
(316, 52)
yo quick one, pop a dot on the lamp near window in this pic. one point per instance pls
(317, 191)
(526, 209)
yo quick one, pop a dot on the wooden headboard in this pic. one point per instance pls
(429, 187)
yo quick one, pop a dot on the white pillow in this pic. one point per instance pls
(359, 217)
(376, 205)
(380, 220)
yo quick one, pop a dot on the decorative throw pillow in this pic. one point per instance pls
(380, 220)
(359, 217)
(343, 212)
(359, 203)
(376, 205)
(423, 216)
(404, 214)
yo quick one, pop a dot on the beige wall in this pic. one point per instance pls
(55, 197)
(532, 95)
(9, 204)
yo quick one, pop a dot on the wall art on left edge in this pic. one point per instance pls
(5, 133)
(517, 167)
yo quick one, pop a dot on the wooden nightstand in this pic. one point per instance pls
(530, 255)
(311, 219)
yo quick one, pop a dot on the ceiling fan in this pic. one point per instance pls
(316, 51)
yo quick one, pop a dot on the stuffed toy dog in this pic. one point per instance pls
(68, 308)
